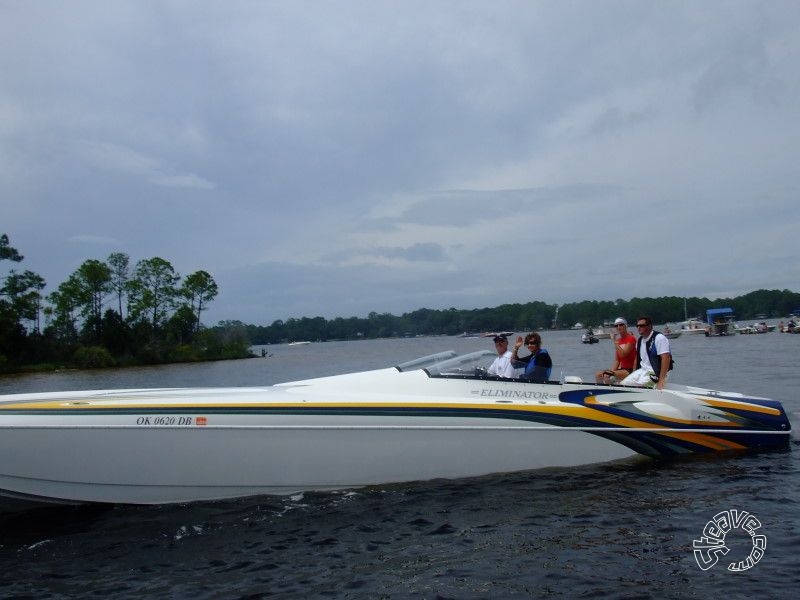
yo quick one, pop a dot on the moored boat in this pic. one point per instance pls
(436, 417)
(693, 327)
(721, 322)
(761, 327)
(791, 327)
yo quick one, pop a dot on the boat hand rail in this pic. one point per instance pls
(425, 361)
(473, 364)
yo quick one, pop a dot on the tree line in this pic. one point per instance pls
(108, 313)
(520, 317)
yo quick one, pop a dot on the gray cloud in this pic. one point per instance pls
(341, 158)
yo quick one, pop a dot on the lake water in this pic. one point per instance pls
(621, 530)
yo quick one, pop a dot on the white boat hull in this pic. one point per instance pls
(693, 331)
(169, 466)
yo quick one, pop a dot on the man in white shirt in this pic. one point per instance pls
(502, 364)
(653, 359)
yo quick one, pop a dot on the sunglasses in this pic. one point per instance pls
(531, 344)
(642, 324)
(619, 325)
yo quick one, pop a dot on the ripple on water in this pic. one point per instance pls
(621, 530)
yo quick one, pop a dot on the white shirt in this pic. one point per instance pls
(502, 365)
(662, 347)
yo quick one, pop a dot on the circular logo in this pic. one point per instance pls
(708, 548)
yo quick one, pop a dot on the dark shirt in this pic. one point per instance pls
(537, 366)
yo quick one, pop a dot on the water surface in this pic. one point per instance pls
(621, 530)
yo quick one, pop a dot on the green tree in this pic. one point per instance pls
(7, 252)
(93, 284)
(12, 334)
(116, 335)
(152, 291)
(20, 301)
(180, 327)
(199, 289)
(65, 303)
(23, 291)
(119, 261)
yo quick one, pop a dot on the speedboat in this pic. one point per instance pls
(671, 333)
(602, 332)
(440, 416)
(761, 327)
(589, 337)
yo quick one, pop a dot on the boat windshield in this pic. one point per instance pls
(471, 364)
(464, 366)
(426, 361)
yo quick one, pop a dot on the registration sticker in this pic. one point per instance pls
(200, 421)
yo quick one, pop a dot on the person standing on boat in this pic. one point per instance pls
(502, 364)
(624, 355)
(653, 357)
(538, 363)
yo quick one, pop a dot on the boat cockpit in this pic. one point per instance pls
(450, 365)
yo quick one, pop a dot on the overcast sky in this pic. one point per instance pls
(336, 158)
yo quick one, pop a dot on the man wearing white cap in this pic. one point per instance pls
(624, 356)
(502, 364)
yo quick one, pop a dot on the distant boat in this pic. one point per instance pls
(589, 337)
(721, 322)
(604, 332)
(693, 327)
(496, 333)
(761, 327)
(298, 343)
